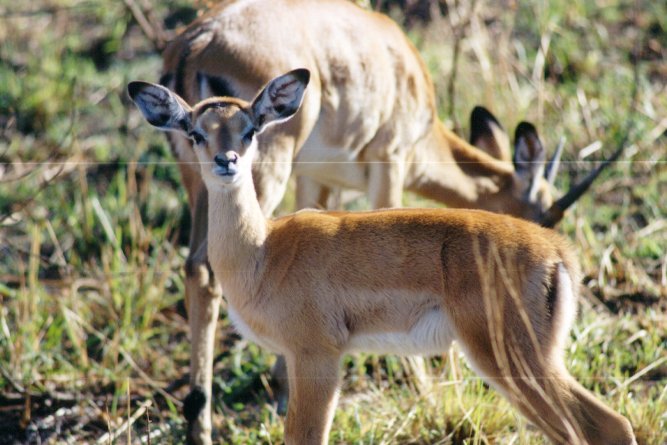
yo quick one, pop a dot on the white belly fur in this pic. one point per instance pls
(431, 335)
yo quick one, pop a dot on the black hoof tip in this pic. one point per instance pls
(194, 404)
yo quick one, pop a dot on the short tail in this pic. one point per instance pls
(562, 305)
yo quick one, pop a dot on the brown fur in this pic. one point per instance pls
(307, 283)
(315, 285)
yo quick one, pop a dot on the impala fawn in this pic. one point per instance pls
(315, 285)
(369, 122)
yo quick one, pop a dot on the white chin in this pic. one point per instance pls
(221, 176)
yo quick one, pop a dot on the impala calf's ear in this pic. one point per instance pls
(161, 108)
(487, 134)
(529, 154)
(280, 99)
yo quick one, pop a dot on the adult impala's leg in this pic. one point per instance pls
(386, 175)
(313, 380)
(311, 194)
(203, 295)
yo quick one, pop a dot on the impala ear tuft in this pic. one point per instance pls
(134, 87)
(280, 99)
(302, 75)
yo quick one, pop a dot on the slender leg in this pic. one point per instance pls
(203, 295)
(313, 381)
(600, 424)
(563, 409)
(385, 182)
(311, 194)
(542, 389)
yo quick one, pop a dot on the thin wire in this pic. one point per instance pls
(126, 163)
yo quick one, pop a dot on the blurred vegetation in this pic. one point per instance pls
(93, 222)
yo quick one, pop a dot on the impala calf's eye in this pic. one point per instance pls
(197, 138)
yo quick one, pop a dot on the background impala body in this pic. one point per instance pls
(315, 285)
(368, 121)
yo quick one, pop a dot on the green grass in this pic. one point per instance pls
(92, 223)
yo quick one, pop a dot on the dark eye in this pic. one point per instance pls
(196, 137)
(247, 138)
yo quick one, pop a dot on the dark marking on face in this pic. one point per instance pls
(226, 137)
(226, 122)
(184, 125)
(235, 128)
(179, 87)
(219, 85)
(166, 79)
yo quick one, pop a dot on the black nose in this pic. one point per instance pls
(222, 161)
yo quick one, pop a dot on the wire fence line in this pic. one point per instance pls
(121, 163)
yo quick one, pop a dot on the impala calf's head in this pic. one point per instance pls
(223, 130)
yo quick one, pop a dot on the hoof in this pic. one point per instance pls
(193, 410)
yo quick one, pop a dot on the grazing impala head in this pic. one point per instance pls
(527, 189)
(222, 129)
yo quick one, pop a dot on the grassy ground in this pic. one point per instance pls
(92, 224)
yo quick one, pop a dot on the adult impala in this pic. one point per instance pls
(315, 285)
(368, 122)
